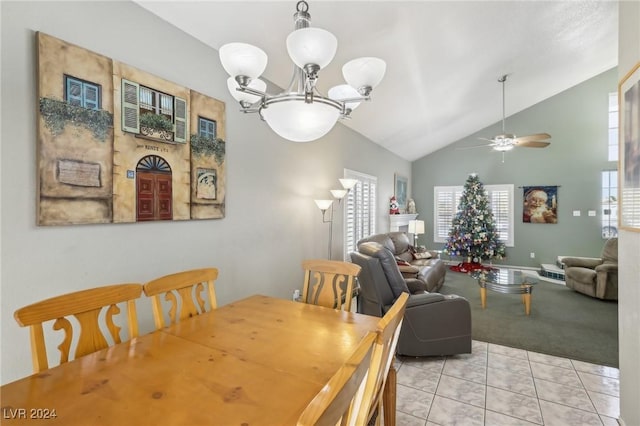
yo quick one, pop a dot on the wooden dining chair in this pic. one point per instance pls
(182, 290)
(87, 307)
(340, 399)
(329, 283)
(387, 333)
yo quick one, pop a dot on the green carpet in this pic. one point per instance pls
(562, 322)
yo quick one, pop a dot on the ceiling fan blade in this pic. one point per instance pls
(532, 144)
(536, 137)
(475, 146)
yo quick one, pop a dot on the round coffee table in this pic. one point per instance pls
(504, 280)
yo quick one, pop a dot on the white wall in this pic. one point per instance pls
(271, 221)
(629, 249)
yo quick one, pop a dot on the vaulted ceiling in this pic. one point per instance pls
(443, 57)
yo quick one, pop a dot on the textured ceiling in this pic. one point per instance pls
(443, 57)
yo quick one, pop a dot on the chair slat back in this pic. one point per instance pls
(86, 306)
(387, 331)
(183, 290)
(329, 283)
(341, 398)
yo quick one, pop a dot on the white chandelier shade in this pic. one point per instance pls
(312, 46)
(243, 59)
(242, 96)
(300, 113)
(344, 91)
(298, 121)
(364, 73)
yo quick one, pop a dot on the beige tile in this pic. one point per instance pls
(507, 351)
(515, 365)
(491, 418)
(606, 405)
(561, 415)
(418, 378)
(405, 419)
(478, 346)
(466, 369)
(560, 375)
(600, 370)
(565, 395)
(609, 421)
(432, 364)
(513, 404)
(475, 358)
(506, 380)
(461, 390)
(445, 412)
(550, 360)
(601, 384)
(412, 401)
(497, 385)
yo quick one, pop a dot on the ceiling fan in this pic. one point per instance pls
(507, 141)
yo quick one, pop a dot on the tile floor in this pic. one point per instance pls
(497, 385)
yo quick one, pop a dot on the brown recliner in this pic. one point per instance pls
(434, 324)
(595, 276)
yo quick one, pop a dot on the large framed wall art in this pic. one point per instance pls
(629, 166)
(401, 184)
(117, 144)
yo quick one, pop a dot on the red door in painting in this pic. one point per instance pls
(153, 189)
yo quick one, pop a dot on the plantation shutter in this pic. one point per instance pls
(447, 198)
(359, 211)
(501, 204)
(445, 207)
(91, 96)
(180, 126)
(130, 106)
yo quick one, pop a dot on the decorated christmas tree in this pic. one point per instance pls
(473, 232)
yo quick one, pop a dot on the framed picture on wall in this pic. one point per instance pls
(400, 192)
(629, 137)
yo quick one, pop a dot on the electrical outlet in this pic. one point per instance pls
(533, 255)
(296, 295)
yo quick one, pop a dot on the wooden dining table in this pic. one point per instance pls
(257, 361)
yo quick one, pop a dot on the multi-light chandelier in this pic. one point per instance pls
(300, 113)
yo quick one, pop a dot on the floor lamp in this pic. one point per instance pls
(416, 227)
(328, 205)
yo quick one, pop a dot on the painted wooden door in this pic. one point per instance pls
(154, 197)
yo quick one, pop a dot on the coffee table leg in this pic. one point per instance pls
(483, 297)
(527, 303)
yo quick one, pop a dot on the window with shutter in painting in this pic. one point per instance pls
(206, 128)
(359, 210)
(82, 93)
(447, 198)
(154, 102)
(170, 112)
(130, 102)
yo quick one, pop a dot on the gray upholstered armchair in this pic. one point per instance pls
(434, 324)
(595, 276)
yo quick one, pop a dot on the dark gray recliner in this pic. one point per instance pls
(434, 324)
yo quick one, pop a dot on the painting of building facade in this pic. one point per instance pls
(117, 144)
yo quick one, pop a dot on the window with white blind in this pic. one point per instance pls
(445, 207)
(359, 210)
(613, 127)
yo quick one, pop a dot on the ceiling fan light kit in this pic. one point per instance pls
(300, 113)
(507, 141)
